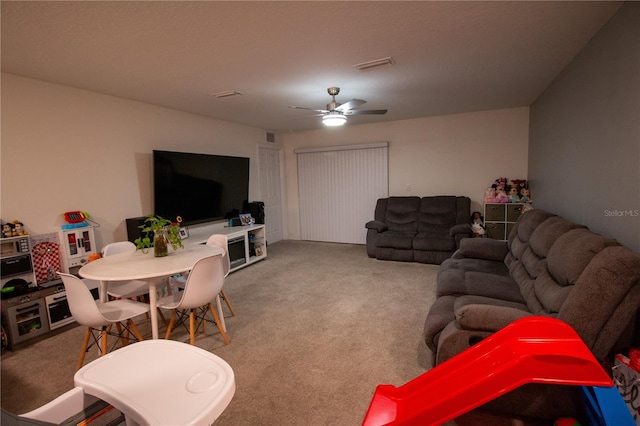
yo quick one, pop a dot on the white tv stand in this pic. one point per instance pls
(253, 238)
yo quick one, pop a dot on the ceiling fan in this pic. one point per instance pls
(335, 114)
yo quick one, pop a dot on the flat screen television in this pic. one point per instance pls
(199, 187)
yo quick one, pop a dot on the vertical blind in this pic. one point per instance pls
(338, 189)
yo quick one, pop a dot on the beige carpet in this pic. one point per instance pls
(318, 326)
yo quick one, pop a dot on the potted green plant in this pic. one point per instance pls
(163, 232)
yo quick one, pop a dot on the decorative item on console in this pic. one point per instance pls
(13, 229)
(164, 232)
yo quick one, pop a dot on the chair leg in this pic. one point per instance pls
(192, 323)
(161, 315)
(123, 339)
(103, 346)
(219, 306)
(226, 300)
(85, 345)
(217, 320)
(134, 330)
(172, 320)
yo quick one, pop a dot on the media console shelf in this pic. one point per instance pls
(247, 244)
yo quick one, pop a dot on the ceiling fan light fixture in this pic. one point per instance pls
(334, 120)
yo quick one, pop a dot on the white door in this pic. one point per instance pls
(269, 165)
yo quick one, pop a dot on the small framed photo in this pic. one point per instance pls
(258, 251)
(246, 219)
(184, 233)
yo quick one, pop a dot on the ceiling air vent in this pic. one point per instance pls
(227, 94)
(366, 66)
(271, 137)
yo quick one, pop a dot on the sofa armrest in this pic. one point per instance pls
(487, 317)
(376, 225)
(482, 248)
(461, 228)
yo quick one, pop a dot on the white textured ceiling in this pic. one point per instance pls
(450, 57)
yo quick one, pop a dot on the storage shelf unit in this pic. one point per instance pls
(499, 219)
(253, 237)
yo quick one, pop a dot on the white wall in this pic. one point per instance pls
(67, 149)
(459, 154)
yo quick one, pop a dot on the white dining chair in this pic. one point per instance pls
(203, 283)
(124, 289)
(100, 317)
(221, 241)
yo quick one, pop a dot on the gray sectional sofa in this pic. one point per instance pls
(414, 229)
(551, 267)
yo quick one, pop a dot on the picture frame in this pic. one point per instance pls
(246, 219)
(184, 233)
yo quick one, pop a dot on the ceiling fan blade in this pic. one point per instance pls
(365, 111)
(351, 104)
(324, 111)
(309, 116)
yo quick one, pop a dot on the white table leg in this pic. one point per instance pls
(102, 291)
(153, 305)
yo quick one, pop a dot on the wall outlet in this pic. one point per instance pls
(407, 187)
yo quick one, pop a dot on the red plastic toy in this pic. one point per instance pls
(530, 350)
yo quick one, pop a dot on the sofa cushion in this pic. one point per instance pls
(437, 214)
(549, 293)
(402, 214)
(482, 248)
(572, 252)
(612, 278)
(548, 232)
(433, 241)
(526, 285)
(395, 239)
(526, 224)
(458, 282)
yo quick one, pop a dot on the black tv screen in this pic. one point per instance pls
(199, 187)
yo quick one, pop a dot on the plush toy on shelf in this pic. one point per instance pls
(489, 195)
(514, 196)
(18, 228)
(525, 196)
(501, 195)
(7, 230)
(477, 224)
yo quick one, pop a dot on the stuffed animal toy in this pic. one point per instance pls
(477, 224)
(525, 196)
(7, 230)
(501, 196)
(489, 195)
(499, 186)
(18, 228)
(514, 196)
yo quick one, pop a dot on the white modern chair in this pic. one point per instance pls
(216, 240)
(127, 289)
(203, 283)
(100, 317)
(124, 289)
